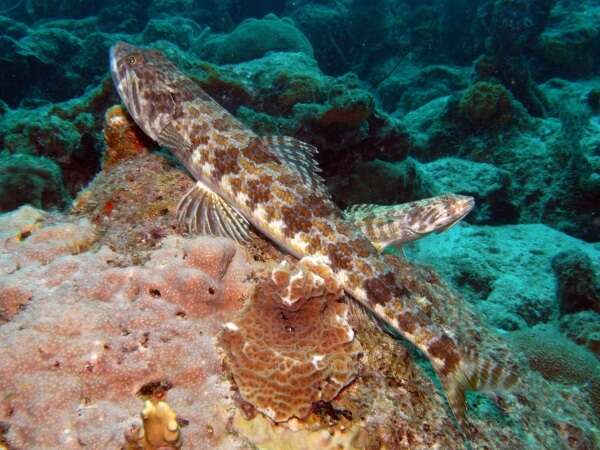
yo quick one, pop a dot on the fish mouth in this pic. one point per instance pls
(118, 82)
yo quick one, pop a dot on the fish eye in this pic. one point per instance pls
(131, 60)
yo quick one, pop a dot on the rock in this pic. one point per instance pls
(323, 24)
(27, 179)
(571, 39)
(290, 95)
(253, 38)
(178, 30)
(486, 105)
(383, 182)
(505, 271)
(489, 185)
(68, 133)
(578, 285)
(412, 87)
(583, 328)
(12, 28)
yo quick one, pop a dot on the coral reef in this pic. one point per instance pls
(253, 38)
(102, 297)
(94, 330)
(92, 326)
(556, 357)
(30, 179)
(124, 140)
(578, 286)
(286, 355)
(506, 271)
(486, 104)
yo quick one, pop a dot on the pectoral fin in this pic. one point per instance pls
(203, 211)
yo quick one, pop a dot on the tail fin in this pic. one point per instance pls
(475, 374)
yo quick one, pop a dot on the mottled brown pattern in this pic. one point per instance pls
(319, 206)
(221, 124)
(199, 140)
(287, 179)
(324, 228)
(345, 229)
(407, 322)
(296, 218)
(249, 168)
(219, 139)
(314, 244)
(377, 290)
(236, 184)
(340, 256)
(283, 194)
(398, 290)
(362, 247)
(256, 151)
(363, 268)
(445, 349)
(225, 162)
(258, 191)
(354, 280)
(194, 113)
(271, 213)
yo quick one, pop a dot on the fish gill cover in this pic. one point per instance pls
(397, 112)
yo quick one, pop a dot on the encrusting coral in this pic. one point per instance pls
(292, 345)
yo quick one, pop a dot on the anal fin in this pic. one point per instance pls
(203, 211)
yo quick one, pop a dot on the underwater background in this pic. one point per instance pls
(101, 297)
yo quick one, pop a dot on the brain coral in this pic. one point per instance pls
(556, 357)
(292, 345)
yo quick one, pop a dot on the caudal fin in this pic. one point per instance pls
(475, 374)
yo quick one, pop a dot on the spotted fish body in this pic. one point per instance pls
(273, 184)
(395, 225)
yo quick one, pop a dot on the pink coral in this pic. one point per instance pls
(93, 332)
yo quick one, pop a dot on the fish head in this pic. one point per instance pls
(438, 214)
(150, 86)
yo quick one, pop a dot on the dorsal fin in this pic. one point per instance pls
(370, 211)
(203, 211)
(299, 157)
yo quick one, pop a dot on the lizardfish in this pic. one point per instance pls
(272, 184)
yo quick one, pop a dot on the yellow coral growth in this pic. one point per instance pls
(160, 429)
(122, 136)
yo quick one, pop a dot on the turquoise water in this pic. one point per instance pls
(405, 100)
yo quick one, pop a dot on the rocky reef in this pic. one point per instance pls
(98, 305)
(108, 310)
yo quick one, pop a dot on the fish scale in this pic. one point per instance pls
(273, 184)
